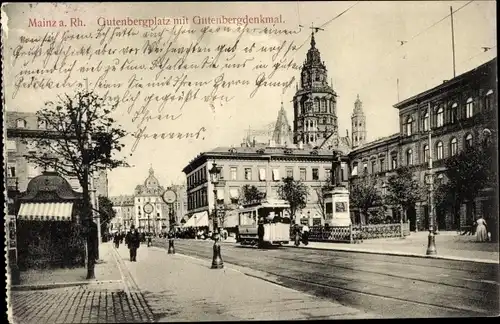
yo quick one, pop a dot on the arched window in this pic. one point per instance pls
(408, 126)
(486, 137)
(409, 157)
(439, 150)
(453, 146)
(316, 105)
(469, 108)
(426, 153)
(454, 112)
(468, 141)
(440, 117)
(425, 122)
(21, 123)
(488, 100)
(323, 105)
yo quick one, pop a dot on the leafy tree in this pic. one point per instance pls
(403, 190)
(320, 193)
(469, 172)
(295, 192)
(81, 135)
(364, 194)
(106, 213)
(251, 193)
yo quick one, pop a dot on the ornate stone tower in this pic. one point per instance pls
(314, 103)
(282, 134)
(358, 121)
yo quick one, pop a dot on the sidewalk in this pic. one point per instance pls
(183, 288)
(106, 273)
(65, 296)
(449, 245)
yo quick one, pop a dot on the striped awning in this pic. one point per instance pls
(45, 211)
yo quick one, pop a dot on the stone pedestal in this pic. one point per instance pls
(337, 207)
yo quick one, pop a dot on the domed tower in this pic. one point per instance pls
(358, 122)
(151, 184)
(314, 102)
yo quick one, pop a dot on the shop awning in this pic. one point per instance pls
(45, 211)
(197, 220)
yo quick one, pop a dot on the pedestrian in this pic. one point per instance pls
(134, 241)
(481, 232)
(116, 240)
(305, 234)
(260, 233)
(150, 240)
(296, 228)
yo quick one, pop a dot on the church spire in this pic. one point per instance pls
(313, 41)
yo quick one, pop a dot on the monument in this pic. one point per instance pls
(337, 198)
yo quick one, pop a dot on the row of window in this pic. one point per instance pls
(22, 123)
(303, 175)
(197, 199)
(439, 149)
(319, 106)
(452, 114)
(379, 165)
(150, 199)
(197, 177)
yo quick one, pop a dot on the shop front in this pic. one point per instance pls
(49, 230)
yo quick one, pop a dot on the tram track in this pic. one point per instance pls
(294, 276)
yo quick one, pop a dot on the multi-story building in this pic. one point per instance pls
(125, 212)
(262, 167)
(180, 205)
(459, 112)
(150, 193)
(21, 126)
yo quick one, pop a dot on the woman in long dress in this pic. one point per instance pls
(481, 233)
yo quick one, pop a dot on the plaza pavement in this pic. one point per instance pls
(449, 245)
(183, 288)
(65, 296)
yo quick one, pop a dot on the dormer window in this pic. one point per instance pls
(21, 123)
(41, 124)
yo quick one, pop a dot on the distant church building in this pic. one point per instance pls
(358, 124)
(314, 103)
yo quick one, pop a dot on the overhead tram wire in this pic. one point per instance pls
(328, 22)
(403, 43)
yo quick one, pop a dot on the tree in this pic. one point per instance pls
(469, 172)
(251, 193)
(295, 192)
(364, 194)
(81, 135)
(106, 213)
(320, 193)
(403, 190)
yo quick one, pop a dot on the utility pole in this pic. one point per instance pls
(431, 244)
(87, 210)
(452, 40)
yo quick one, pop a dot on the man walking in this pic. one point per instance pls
(133, 241)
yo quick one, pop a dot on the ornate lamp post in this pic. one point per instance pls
(217, 262)
(431, 244)
(170, 197)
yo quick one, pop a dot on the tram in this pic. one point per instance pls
(273, 218)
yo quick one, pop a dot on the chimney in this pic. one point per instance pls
(444, 81)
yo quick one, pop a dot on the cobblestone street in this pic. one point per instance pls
(79, 305)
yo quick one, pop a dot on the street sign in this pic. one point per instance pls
(169, 196)
(148, 208)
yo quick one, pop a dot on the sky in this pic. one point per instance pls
(361, 50)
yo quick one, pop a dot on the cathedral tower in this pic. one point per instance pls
(358, 121)
(314, 103)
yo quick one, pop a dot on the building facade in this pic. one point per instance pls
(21, 126)
(150, 193)
(125, 213)
(263, 168)
(459, 112)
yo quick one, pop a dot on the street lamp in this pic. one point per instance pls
(217, 262)
(431, 241)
